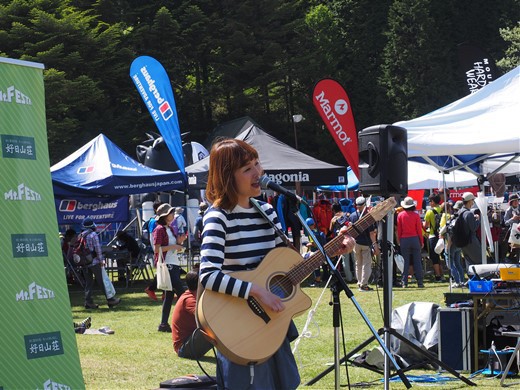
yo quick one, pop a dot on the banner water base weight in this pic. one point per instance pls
(190, 381)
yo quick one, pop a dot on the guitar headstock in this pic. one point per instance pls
(381, 209)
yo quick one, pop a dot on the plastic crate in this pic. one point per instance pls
(511, 273)
(480, 286)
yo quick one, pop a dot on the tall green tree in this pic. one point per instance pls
(74, 47)
(511, 58)
(225, 59)
(362, 25)
(418, 71)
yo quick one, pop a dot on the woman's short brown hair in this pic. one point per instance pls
(225, 158)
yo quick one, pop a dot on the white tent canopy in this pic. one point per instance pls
(472, 128)
(425, 176)
(420, 177)
(505, 164)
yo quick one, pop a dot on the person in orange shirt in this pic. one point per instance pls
(187, 342)
(410, 239)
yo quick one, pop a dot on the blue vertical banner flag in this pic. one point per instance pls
(153, 84)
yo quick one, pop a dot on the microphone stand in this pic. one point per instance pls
(341, 285)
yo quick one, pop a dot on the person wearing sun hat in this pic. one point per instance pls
(166, 245)
(472, 251)
(93, 270)
(410, 240)
(512, 216)
(366, 241)
(454, 252)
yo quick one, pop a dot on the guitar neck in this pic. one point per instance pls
(306, 267)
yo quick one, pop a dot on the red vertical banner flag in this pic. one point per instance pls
(333, 105)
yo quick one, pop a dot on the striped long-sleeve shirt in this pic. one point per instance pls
(235, 240)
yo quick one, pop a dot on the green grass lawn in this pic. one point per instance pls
(137, 356)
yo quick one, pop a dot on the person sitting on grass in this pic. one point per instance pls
(187, 342)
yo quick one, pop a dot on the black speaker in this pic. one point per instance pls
(456, 338)
(383, 157)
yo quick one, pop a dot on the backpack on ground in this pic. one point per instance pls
(81, 255)
(460, 236)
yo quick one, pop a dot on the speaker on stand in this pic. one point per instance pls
(383, 156)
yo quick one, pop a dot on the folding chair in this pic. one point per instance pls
(140, 265)
(76, 272)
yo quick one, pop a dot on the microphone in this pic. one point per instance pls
(266, 183)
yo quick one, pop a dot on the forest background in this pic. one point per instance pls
(397, 59)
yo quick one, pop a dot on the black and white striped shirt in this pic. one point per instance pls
(235, 240)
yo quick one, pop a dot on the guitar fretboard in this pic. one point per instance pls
(297, 274)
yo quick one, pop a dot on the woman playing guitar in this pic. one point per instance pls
(236, 237)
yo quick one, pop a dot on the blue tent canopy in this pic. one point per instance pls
(101, 168)
(352, 180)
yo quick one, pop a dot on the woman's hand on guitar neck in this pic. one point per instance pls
(267, 298)
(348, 243)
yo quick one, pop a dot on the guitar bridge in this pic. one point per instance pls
(257, 309)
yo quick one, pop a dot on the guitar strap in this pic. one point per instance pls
(277, 230)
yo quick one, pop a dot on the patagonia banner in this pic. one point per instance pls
(153, 83)
(73, 210)
(39, 349)
(478, 68)
(333, 105)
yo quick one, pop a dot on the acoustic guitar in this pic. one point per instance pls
(247, 333)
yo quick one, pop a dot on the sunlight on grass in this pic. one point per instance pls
(137, 356)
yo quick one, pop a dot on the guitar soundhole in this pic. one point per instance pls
(281, 286)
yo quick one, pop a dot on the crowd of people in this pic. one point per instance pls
(235, 233)
(425, 239)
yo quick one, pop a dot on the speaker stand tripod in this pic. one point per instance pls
(387, 331)
(341, 285)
